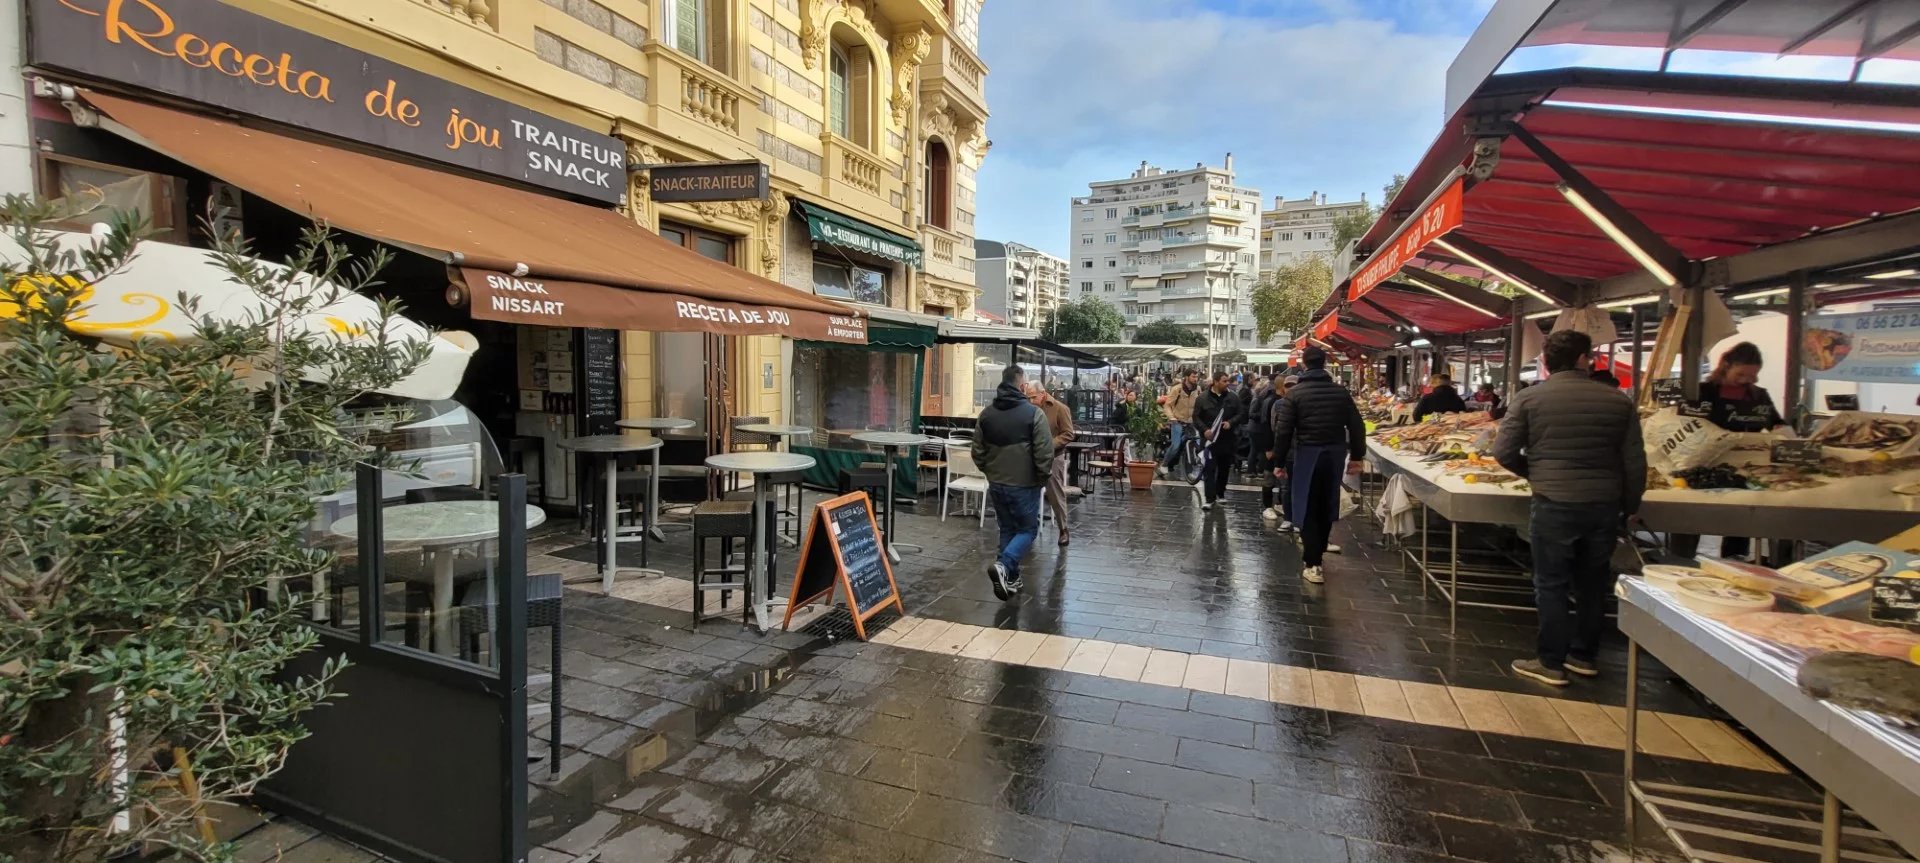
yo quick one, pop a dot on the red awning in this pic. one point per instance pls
(1429, 312)
(1668, 148)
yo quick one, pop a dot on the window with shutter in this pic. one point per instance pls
(687, 20)
(837, 71)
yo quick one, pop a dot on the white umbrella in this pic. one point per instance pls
(142, 300)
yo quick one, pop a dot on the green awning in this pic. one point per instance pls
(847, 232)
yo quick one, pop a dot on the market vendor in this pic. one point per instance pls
(1442, 398)
(1732, 398)
(1733, 401)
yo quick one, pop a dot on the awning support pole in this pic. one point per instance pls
(1639, 370)
(1797, 394)
(1513, 347)
(1547, 283)
(1690, 342)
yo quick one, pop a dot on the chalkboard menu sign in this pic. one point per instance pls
(1797, 453)
(599, 381)
(1667, 391)
(842, 549)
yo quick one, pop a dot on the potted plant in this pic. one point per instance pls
(1143, 430)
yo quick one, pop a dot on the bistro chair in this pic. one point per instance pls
(476, 610)
(963, 476)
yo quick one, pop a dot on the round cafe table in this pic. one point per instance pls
(893, 443)
(438, 528)
(608, 448)
(756, 464)
(786, 434)
(655, 425)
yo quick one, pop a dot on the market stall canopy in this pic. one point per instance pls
(899, 329)
(1681, 168)
(1447, 309)
(847, 232)
(1129, 353)
(1781, 27)
(966, 332)
(150, 297)
(1063, 352)
(527, 258)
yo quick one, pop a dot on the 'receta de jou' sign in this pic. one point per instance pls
(209, 52)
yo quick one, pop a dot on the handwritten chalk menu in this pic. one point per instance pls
(1667, 391)
(842, 549)
(1797, 453)
(1896, 598)
(599, 381)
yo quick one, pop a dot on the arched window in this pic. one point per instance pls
(938, 203)
(850, 88)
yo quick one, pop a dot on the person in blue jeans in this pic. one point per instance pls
(1013, 447)
(1179, 403)
(1577, 443)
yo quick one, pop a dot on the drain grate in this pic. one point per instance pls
(837, 625)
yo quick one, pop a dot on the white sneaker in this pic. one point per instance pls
(1312, 575)
(1286, 526)
(1206, 505)
(1160, 471)
(1332, 548)
(1270, 513)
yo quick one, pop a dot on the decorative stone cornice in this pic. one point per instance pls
(909, 51)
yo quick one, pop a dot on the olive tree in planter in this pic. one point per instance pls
(150, 495)
(1143, 432)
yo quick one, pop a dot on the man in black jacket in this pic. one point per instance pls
(1013, 446)
(1444, 399)
(1217, 414)
(1320, 423)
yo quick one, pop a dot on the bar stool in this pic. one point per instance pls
(873, 481)
(543, 609)
(724, 520)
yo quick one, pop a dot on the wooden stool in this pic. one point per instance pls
(724, 520)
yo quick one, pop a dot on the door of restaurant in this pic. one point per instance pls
(703, 391)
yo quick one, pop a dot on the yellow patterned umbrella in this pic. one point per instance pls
(143, 300)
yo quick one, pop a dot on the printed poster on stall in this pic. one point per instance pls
(1864, 346)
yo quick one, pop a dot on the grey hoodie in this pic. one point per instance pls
(1012, 444)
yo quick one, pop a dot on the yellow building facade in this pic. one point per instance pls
(873, 109)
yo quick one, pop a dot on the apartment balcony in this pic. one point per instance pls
(949, 256)
(1146, 220)
(693, 101)
(1200, 240)
(1148, 295)
(955, 72)
(1194, 267)
(1143, 244)
(854, 176)
(1209, 211)
(931, 13)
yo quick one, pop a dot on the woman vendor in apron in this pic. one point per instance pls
(1735, 402)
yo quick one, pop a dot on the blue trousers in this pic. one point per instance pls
(1018, 510)
(1572, 575)
(1175, 444)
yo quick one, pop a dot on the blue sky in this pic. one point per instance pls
(1333, 96)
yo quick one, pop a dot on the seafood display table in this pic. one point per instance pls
(1855, 757)
(1862, 508)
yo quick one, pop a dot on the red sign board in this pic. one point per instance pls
(1443, 215)
(1327, 326)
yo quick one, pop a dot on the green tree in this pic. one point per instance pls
(1352, 226)
(1284, 300)
(1088, 320)
(154, 495)
(1166, 332)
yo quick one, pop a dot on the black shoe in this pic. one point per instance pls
(1002, 582)
(1582, 668)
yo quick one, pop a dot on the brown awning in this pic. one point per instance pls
(582, 266)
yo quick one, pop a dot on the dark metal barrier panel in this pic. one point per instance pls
(421, 757)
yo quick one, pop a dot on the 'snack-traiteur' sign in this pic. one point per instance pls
(212, 53)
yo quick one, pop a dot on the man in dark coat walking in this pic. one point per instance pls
(1013, 447)
(1320, 423)
(1218, 414)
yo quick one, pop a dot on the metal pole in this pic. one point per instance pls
(1513, 348)
(1633, 728)
(1639, 373)
(1690, 344)
(1797, 394)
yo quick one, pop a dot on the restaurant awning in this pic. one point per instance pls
(1129, 353)
(847, 232)
(1062, 352)
(527, 258)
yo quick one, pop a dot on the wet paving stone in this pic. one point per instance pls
(726, 746)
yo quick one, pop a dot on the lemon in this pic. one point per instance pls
(1913, 655)
(1679, 483)
(1880, 456)
(1470, 479)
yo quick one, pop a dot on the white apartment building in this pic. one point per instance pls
(1304, 226)
(1018, 282)
(1181, 244)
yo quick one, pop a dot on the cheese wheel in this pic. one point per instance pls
(1715, 598)
(1667, 577)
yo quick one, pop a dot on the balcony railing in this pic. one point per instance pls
(953, 70)
(698, 91)
(479, 13)
(852, 164)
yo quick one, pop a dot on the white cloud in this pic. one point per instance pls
(1329, 97)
